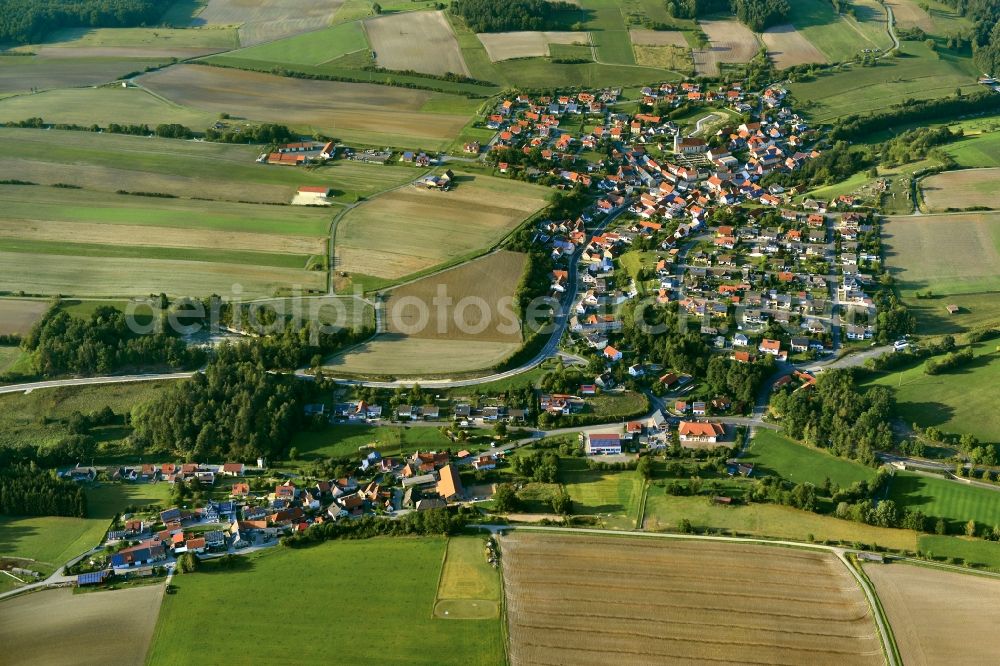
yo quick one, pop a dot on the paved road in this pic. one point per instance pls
(87, 381)
(839, 553)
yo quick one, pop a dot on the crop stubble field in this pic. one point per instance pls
(58, 627)
(379, 113)
(411, 229)
(787, 47)
(527, 43)
(595, 600)
(267, 20)
(962, 189)
(939, 617)
(18, 315)
(421, 41)
(22, 73)
(729, 42)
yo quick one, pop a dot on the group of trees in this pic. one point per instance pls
(101, 343)
(236, 408)
(265, 134)
(838, 416)
(915, 144)
(739, 381)
(950, 361)
(511, 15)
(758, 15)
(445, 521)
(538, 466)
(849, 128)
(27, 490)
(27, 21)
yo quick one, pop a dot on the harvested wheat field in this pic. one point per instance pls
(18, 315)
(962, 189)
(22, 73)
(394, 355)
(332, 106)
(728, 41)
(421, 41)
(528, 43)
(645, 37)
(476, 302)
(267, 20)
(939, 617)
(909, 14)
(58, 627)
(786, 47)
(574, 599)
(412, 229)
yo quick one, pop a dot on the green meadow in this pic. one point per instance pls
(363, 601)
(954, 501)
(776, 454)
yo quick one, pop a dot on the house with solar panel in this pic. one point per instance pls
(147, 552)
(93, 578)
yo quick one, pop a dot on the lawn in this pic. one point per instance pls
(916, 72)
(959, 401)
(469, 587)
(952, 500)
(970, 551)
(347, 440)
(612, 496)
(402, 581)
(772, 453)
(311, 48)
(771, 520)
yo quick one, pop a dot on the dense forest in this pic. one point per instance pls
(26, 490)
(26, 21)
(838, 415)
(985, 17)
(102, 343)
(235, 409)
(756, 14)
(492, 16)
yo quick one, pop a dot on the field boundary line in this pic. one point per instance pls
(876, 606)
(444, 561)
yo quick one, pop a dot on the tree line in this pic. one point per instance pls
(60, 343)
(446, 521)
(512, 15)
(264, 134)
(26, 490)
(27, 21)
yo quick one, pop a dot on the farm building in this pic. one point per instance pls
(599, 444)
(147, 552)
(449, 486)
(312, 195)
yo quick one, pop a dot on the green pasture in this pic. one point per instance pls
(613, 496)
(402, 581)
(353, 440)
(839, 38)
(970, 551)
(311, 48)
(954, 501)
(776, 454)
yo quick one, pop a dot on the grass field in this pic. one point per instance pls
(975, 311)
(421, 41)
(392, 354)
(608, 31)
(664, 511)
(181, 246)
(18, 315)
(947, 254)
(961, 189)
(939, 616)
(267, 20)
(135, 42)
(311, 48)
(379, 115)
(982, 150)
(412, 229)
(662, 601)
(402, 577)
(485, 285)
(838, 37)
(952, 500)
(23, 73)
(915, 73)
(969, 551)
(729, 42)
(772, 453)
(469, 588)
(959, 401)
(934, 18)
(612, 496)
(228, 172)
(36, 417)
(346, 440)
(60, 627)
